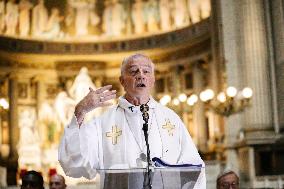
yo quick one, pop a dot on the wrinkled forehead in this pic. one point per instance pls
(229, 177)
(140, 62)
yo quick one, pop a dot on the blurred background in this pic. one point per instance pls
(219, 65)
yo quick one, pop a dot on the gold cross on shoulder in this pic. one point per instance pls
(170, 127)
(114, 134)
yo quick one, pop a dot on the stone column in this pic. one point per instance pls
(215, 128)
(199, 120)
(216, 70)
(243, 30)
(13, 116)
(127, 4)
(277, 69)
(233, 65)
(255, 60)
(13, 129)
(229, 56)
(40, 98)
(40, 92)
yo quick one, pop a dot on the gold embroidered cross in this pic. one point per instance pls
(170, 127)
(114, 134)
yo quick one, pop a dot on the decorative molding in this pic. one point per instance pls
(182, 36)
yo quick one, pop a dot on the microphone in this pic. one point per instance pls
(144, 108)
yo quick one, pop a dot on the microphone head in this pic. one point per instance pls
(144, 108)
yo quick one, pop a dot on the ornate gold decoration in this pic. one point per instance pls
(114, 134)
(170, 127)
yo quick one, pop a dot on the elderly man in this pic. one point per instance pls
(228, 180)
(57, 182)
(116, 139)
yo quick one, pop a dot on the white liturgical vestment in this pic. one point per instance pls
(116, 140)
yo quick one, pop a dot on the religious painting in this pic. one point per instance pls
(23, 90)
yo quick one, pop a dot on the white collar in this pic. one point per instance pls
(130, 108)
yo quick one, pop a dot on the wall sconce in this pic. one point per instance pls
(229, 102)
(225, 103)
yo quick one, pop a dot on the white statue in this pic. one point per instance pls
(78, 90)
(24, 17)
(205, 8)
(69, 21)
(194, 10)
(64, 107)
(52, 29)
(94, 18)
(83, 10)
(138, 16)
(152, 16)
(82, 18)
(81, 84)
(118, 18)
(28, 132)
(2, 16)
(180, 13)
(39, 19)
(11, 18)
(107, 19)
(165, 14)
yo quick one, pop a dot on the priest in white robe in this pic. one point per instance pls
(116, 139)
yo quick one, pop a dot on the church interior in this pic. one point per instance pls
(219, 65)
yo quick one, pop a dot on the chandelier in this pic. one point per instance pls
(225, 103)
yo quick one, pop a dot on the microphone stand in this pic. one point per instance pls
(144, 108)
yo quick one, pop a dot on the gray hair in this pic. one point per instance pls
(224, 173)
(132, 58)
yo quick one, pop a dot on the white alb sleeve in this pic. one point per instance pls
(78, 151)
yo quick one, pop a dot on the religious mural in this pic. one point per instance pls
(91, 18)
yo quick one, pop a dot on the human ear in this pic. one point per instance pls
(121, 80)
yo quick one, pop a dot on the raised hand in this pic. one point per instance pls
(94, 99)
